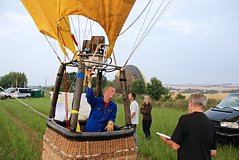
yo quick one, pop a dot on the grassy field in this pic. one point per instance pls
(22, 131)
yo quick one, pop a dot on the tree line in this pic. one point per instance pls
(153, 88)
(14, 79)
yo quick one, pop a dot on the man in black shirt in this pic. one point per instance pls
(194, 137)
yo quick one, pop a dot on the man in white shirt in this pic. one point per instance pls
(134, 111)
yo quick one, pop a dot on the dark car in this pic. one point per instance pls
(225, 117)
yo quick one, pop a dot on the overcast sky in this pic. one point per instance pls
(193, 42)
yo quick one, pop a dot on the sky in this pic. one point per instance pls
(194, 42)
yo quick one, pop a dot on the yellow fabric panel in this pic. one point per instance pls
(110, 14)
(44, 14)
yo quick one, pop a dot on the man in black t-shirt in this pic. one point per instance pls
(194, 137)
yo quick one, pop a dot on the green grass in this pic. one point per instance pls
(22, 131)
(16, 140)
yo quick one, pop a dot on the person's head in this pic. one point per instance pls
(109, 92)
(146, 99)
(131, 96)
(197, 101)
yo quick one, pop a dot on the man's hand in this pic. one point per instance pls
(164, 139)
(110, 126)
(170, 143)
(133, 114)
(213, 153)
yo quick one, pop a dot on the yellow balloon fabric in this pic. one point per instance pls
(110, 14)
(51, 17)
(44, 14)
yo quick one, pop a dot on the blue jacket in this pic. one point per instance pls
(99, 117)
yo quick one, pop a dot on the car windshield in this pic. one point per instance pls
(9, 90)
(231, 101)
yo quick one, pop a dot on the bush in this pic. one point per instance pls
(155, 89)
(178, 103)
(118, 98)
(180, 96)
(212, 102)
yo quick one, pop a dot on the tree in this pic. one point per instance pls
(14, 79)
(167, 96)
(180, 96)
(138, 86)
(155, 89)
(71, 77)
(103, 81)
(109, 83)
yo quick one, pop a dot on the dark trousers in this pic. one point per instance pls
(133, 126)
(135, 133)
(146, 127)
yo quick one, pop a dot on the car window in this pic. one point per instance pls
(230, 101)
(9, 90)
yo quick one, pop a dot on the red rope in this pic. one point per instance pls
(66, 97)
(61, 37)
(74, 39)
(65, 86)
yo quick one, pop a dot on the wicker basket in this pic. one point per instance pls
(56, 146)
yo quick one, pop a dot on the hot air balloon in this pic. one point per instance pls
(133, 73)
(53, 19)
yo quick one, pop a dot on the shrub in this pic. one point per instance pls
(212, 102)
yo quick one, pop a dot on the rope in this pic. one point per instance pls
(160, 15)
(79, 26)
(90, 31)
(74, 29)
(142, 26)
(85, 27)
(135, 19)
(59, 59)
(69, 29)
(66, 95)
(148, 29)
(44, 116)
(72, 84)
(132, 51)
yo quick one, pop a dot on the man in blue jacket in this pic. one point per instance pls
(103, 110)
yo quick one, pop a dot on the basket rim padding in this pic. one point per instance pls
(89, 136)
